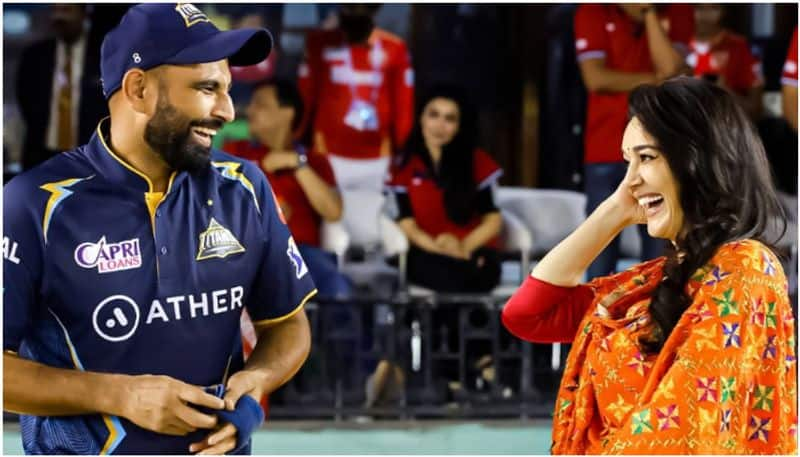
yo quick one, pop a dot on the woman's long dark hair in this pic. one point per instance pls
(725, 183)
(455, 173)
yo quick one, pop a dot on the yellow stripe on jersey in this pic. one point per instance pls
(270, 322)
(122, 162)
(230, 170)
(59, 191)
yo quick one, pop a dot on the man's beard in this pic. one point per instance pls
(168, 133)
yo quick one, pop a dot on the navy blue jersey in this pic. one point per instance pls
(103, 274)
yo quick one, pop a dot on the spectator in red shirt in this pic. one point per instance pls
(789, 83)
(442, 184)
(724, 57)
(358, 86)
(304, 185)
(620, 47)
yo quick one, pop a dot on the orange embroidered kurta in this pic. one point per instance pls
(724, 382)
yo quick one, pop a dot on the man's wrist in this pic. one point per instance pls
(114, 395)
(301, 161)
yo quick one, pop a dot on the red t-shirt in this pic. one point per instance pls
(378, 73)
(302, 219)
(604, 31)
(727, 55)
(789, 76)
(427, 198)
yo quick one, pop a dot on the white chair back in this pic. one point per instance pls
(360, 217)
(359, 174)
(549, 214)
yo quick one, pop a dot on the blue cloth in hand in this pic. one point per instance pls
(246, 417)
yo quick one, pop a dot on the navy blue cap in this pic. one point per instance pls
(154, 34)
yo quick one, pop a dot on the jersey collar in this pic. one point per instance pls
(116, 170)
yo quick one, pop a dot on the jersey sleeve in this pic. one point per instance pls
(486, 170)
(322, 166)
(283, 283)
(591, 40)
(402, 88)
(750, 74)
(789, 76)
(398, 177)
(22, 262)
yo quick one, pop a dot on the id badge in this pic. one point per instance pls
(362, 116)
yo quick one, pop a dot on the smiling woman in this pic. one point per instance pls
(677, 354)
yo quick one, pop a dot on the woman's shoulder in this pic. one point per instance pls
(740, 262)
(746, 255)
(486, 171)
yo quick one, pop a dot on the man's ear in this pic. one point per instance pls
(134, 89)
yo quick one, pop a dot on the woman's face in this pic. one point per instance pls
(652, 183)
(440, 121)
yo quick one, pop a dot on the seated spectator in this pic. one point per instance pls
(304, 185)
(442, 184)
(724, 57)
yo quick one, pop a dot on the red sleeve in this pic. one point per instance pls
(789, 76)
(485, 170)
(746, 66)
(681, 24)
(322, 166)
(402, 88)
(591, 40)
(308, 74)
(242, 149)
(397, 178)
(541, 312)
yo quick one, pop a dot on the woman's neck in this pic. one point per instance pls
(435, 153)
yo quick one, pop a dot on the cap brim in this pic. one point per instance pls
(241, 47)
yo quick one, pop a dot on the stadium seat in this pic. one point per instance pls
(334, 238)
(550, 215)
(372, 233)
(358, 174)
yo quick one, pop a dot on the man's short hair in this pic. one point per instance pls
(287, 94)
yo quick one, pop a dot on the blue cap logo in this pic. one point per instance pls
(191, 14)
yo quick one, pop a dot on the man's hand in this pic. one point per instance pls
(220, 441)
(223, 439)
(279, 160)
(159, 403)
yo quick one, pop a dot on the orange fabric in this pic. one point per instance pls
(724, 382)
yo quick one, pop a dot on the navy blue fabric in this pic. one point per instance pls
(93, 283)
(246, 417)
(154, 34)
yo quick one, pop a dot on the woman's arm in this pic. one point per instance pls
(417, 236)
(540, 312)
(564, 264)
(490, 227)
